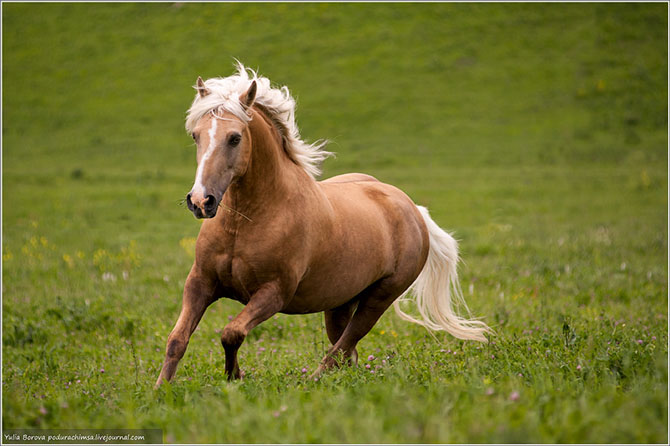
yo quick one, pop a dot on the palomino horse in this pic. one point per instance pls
(284, 243)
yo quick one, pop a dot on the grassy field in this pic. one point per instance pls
(537, 133)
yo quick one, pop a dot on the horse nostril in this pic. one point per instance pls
(188, 200)
(210, 202)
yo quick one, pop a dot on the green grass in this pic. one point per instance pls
(536, 132)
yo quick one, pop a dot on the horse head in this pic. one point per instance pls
(223, 141)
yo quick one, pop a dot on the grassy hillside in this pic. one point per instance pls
(536, 132)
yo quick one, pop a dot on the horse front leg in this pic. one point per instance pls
(265, 303)
(198, 295)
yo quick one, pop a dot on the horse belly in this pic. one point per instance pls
(332, 286)
(323, 290)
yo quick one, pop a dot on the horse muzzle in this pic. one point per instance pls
(202, 207)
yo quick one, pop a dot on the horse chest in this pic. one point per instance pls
(236, 277)
(224, 268)
(232, 271)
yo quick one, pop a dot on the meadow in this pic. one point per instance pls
(536, 133)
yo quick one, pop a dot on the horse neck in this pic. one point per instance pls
(271, 177)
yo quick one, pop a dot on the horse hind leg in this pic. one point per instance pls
(337, 320)
(372, 303)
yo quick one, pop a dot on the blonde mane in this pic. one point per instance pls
(277, 102)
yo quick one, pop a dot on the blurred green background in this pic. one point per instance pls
(536, 132)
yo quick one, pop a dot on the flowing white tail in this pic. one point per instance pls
(436, 289)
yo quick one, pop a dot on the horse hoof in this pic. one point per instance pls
(353, 359)
(317, 374)
(235, 375)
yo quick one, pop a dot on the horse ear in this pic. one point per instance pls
(200, 86)
(247, 98)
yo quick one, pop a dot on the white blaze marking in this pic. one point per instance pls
(198, 188)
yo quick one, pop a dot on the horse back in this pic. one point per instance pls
(350, 178)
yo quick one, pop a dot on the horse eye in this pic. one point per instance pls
(234, 139)
(193, 136)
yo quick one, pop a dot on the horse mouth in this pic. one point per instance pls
(206, 214)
